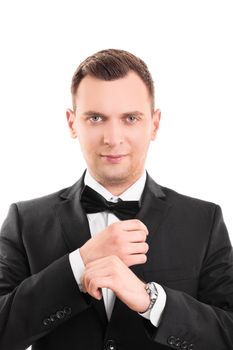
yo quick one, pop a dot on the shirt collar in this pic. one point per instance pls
(133, 193)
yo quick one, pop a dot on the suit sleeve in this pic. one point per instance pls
(32, 305)
(205, 322)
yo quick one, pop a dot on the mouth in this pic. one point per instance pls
(113, 155)
(113, 158)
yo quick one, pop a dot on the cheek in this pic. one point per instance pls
(140, 139)
(88, 140)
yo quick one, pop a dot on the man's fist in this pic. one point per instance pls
(124, 239)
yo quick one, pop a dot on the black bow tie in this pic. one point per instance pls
(93, 202)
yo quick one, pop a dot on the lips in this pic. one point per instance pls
(113, 158)
(113, 155)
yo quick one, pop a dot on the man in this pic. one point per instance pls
(115, 261)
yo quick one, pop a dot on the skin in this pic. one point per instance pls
(122, 126)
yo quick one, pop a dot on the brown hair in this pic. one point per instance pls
(112, 64)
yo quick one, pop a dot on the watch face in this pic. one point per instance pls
(153, 293)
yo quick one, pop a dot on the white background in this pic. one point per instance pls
(188, 48)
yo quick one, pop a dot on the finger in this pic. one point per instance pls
(135, 259)
(133, 225)
(97, 294)
(136, 236)
(138, 248)
(95, 285)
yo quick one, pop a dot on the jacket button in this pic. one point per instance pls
(191, 347)
(184, 345)
(110, 345)
(53, 317)
(46, 321)
(171, 340)
(67, 310)
(60, 314)
(177, 342)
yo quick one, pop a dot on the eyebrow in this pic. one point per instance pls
(137, 113)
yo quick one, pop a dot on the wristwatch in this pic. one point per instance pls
(153, 293)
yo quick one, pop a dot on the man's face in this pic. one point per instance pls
(114, 124)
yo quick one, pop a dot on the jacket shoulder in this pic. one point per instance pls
(41, 204)
(189, 205)
(173, 195)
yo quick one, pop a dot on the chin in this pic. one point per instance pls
(114, 176)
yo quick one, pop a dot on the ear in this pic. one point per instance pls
(70, 116)
(155, 123)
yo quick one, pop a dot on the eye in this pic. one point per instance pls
(95, 118)
(131, 118)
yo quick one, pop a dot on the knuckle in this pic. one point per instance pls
(125, 260)
(142, 259)
(122, 250)
(128, 261)
(114, 259)
(114, 238)
(140, 223)
(113, 228)
(87, 277)
(116, 225)
(144, 228)
(137, 221)
(143, 236)
(146, 247)
(92, 284)
(115, 235)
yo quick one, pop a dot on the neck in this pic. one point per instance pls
(116, 187)
(117, 190)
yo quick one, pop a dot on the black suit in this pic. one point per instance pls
(190, 255)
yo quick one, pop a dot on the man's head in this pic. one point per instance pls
(113, 115)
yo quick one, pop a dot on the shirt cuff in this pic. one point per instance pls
(155, 314)
(77, 266)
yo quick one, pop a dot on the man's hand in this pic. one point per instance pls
(125, 239)
(111, 272)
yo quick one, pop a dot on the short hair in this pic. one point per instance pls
(112, 64)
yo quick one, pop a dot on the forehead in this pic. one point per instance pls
(126, 93)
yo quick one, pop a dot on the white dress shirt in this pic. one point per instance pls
(98, 222)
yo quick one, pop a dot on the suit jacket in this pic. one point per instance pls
(190, 255)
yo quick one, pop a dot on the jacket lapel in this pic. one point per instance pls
(76, 231)
(74, 222)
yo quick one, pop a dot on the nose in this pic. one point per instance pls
(113, 134)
